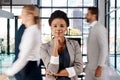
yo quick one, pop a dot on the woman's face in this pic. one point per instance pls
(24, 16)
(58, 27)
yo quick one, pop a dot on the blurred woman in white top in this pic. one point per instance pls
(29, 46)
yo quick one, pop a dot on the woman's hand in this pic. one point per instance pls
(62, 73)
(3, 76)
(58, 41)
(48, 73)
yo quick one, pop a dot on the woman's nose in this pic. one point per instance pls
(57, 28)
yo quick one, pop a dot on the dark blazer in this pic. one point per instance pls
(18, 37)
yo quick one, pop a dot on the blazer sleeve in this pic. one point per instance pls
(45, 56)
(78, 62)
(103, 45)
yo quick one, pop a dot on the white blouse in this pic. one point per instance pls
(29, 49)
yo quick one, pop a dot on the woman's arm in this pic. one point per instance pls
(51, 62)
(62, 73)
(26, 45)
(78, 64)
(51, 59)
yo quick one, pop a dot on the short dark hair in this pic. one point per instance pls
(94, 10)
(58, 14)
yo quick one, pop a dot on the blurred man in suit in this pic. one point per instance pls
(18, 37)
(97, 48)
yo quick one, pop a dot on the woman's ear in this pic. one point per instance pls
(66, 31)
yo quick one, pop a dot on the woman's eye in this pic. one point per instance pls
(61, 26)
(54, 26)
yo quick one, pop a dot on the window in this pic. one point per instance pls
(113, 22)
(76, 11)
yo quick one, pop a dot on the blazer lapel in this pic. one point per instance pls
(69, 46)
(70, 50)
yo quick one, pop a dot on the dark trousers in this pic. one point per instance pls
(30, 72)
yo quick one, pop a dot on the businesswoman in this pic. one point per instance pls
(61, 57)
(29, 47)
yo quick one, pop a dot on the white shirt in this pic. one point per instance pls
(93, 23)
(29, 49)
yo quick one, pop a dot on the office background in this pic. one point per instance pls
(109, 15)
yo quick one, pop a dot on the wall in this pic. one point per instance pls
(101, 5)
